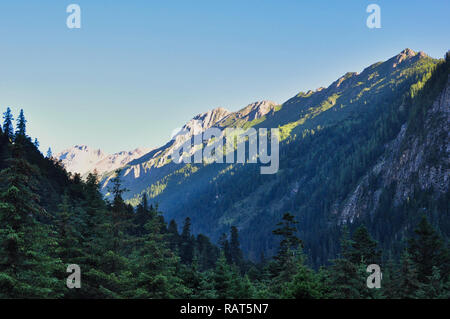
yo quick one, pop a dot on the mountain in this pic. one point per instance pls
(340, 162)
(149, 169)
(82, 159)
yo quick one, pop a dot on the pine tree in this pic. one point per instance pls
(69, 250)
(225, 247)
(235, 250)
(408, 284)
(426, 251)
(223, 278)
(241, 287)
(157, 267)
(344, 276)
(283, 274)
(187, 244)
(207, 252)
(174, 236)
(95, 242)
(49, 153)
(364, 248)
(142, 216)
(8, 129)
(436, 287)
(21, 125)
(305, 284)
(197, 282)
(112, 277)
(390, 280)
(289, 241)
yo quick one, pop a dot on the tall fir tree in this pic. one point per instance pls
(364, 248)
(186, 243)
(289, 241)
(427, 251)
(21, 125)
(8, 128)
(235, 249)
(408, 284)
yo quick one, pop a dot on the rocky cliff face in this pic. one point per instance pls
(413, 158)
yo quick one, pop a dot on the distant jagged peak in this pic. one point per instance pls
(200, 123)
(215, 114)
(82, 159)
(404, 55)
(259, 105)
(256, 110)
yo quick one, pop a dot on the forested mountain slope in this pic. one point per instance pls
(332, 139)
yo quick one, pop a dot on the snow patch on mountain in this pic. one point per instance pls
(83, 159)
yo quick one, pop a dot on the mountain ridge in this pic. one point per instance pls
(312, 166)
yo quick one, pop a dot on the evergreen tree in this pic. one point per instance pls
(186, 243)
(283, 274)
(223, 278)
(235, 250)
(21, 125)
(408, 285)
(157, 266)
(8, 129)
(390, 280)
(241, 287)
(225, 247)
(289, 241)
(436, 287)
(49, 153)
(199, 284)
(95, 233)
(364, 248)
(68, 237)
(305, 284)
(427, 251)
(207, 252)
(174, 236)
(344, 276)
(119, 221)
(142, 216)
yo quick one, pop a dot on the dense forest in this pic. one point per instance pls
(50, 219)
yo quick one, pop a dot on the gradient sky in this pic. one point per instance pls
(138, 69)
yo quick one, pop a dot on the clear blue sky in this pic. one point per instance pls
(138, 69)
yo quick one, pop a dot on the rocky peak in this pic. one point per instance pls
(405, 55)
(203, 121)
(256, 110)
